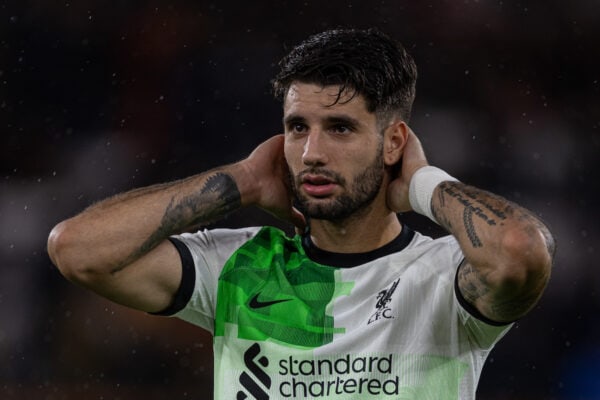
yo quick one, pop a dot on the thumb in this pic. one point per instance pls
(298, 219)
(397, 196)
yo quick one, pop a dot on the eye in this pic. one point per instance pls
(297, 127)
(341, 129)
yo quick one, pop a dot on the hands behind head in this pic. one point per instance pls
(270, 182)
(412, 159)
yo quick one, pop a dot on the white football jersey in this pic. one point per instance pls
(291, 321)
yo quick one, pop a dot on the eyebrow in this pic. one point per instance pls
(292, 119)
(330, 119)
(343, 120)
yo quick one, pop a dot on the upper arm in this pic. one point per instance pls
(500, 294)
(148, 284)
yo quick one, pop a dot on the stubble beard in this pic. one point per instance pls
(356, 200)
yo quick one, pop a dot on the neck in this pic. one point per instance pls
(357, 234)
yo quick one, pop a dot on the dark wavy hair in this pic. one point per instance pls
(364, 62)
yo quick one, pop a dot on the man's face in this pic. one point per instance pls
(334, 152)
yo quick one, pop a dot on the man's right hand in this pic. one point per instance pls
(269, 186)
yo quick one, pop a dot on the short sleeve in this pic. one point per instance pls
(483, 332)
(207, 251)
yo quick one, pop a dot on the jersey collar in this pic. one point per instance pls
(345, 260)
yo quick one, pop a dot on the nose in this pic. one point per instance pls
(315, 149)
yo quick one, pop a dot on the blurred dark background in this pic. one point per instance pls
(97, 97)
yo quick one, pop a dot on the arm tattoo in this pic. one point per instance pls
(491, 209)
(484, 215)
(471, 282)
(473, 287)
(470, 228)
(475, 205)
(218, 196)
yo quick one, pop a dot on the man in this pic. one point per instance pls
(356, 306)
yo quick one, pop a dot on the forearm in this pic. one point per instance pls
(115, 232)
(508, 251)
(481, 221)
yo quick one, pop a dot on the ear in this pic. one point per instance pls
(394, 140)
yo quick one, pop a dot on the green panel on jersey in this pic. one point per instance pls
(269, 289)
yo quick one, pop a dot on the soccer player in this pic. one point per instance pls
(356, 305)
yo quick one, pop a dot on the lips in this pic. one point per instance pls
(317, 185)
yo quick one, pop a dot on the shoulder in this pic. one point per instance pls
(220, 244)
(222, 237)
(442, 248)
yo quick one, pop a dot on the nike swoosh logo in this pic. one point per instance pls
(255, 303)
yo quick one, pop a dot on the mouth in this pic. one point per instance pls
(318, 185)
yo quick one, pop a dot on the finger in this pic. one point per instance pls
(414, 147)
(298, 220)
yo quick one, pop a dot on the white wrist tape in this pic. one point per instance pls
(421, 187)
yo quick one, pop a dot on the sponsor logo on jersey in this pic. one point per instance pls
(324, 377)
(255, 381)
(255, 303)
(382, 309)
